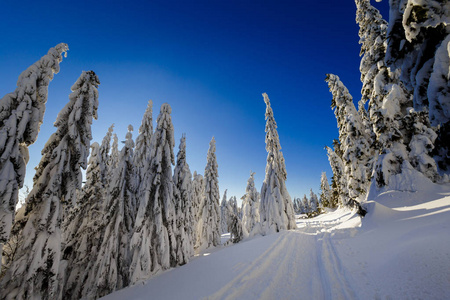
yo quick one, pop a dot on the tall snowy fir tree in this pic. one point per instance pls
(113, 260)
(276, 209)
(153, 243)
(21, 115)
(84, 233)
(338, 184)
(208, 232)
(34, 273)
(250, 205)
(142, 152)
(325, 192)
(113, 160)
(182, 179)
(354, 143)
(224, 212)
(198, 190)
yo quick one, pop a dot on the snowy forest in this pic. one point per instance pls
(138, 210)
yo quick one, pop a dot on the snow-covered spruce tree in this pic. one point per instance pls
(235, 228)
(113, 160)
(313, 202)
(21, 115)
(372, 37)
(338, 184)
(298, 206)
(306, 207)
(356, 157)
(276, 209)
(182, 179)
(418, 54)
(421, 144)
(325, 192)
(209, 222)
(224, 212)
(198, 189)
(233, 202)
(34, 273)
(111, 267)
(387, 123)
(153, 244)
(84, 232)
(250, 205)
(142, 152)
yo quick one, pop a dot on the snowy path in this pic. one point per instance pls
(398, 252)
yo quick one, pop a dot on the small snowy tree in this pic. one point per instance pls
(182, 179)
(21, 115)
(306, 207)
(113, 260)
(224, 212)
(313, 202)
(153, 244)
(34, 273)
(235, 228)
(276, 210)
(325, 192)
(250, 205)
(209, 222)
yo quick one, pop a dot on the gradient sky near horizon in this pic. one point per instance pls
(211, 61)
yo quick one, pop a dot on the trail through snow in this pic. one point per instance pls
(401, 250)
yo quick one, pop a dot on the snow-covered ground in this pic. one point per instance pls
(401, 250)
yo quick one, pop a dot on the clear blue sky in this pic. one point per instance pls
(210, 60)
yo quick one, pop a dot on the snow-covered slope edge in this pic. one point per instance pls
(401, 250)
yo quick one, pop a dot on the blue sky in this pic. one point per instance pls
(210, 60)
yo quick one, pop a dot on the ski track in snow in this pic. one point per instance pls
(306, 255)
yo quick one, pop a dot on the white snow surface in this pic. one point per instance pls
(400, 250)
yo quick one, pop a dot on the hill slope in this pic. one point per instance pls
(401, 250)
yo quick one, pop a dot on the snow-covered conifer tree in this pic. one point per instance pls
(182, 179)
(21, 115)
(372, 34)
(198, 189)
(209, 222)
(354, 142)
(306, 207)
(84, 232)
(301, 208)
(313, 202)
(142, 152)
(113, 157)
(224, 211)
(276, 209)
(235, 227)
(113, 260)
(422, 143)
(250, 205)
(153, 243)
(418, 58)
(33, 275)
(325, 192)
(338, 184)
